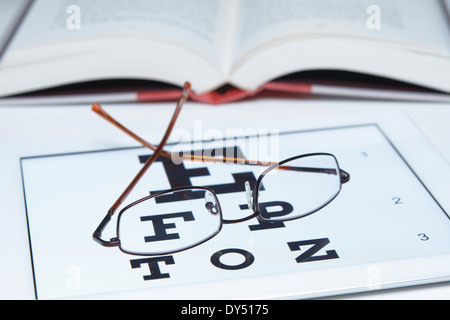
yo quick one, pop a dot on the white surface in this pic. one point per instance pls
(28, 131)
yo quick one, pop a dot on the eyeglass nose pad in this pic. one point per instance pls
(211, 207)
(248, 192)
(211, 203)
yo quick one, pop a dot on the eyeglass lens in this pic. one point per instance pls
(307, 183)
(159, 225)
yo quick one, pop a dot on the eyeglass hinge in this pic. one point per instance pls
(111, 243)
(345, 176)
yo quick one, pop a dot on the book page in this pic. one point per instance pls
(446, 4)
(192, 23)
(416, 24)
(168, 33)
(407, 41)
(11, 13)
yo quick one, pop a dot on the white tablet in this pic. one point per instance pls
(388, 226)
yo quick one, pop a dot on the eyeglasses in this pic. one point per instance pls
(196, 213)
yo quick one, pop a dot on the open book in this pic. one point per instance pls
(243, 43)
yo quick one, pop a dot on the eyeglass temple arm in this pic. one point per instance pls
(344, 175)
(98, 232)
(101, 112)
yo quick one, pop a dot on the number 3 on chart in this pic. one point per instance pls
(423, 237)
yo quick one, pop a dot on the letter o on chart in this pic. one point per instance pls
(216, 259)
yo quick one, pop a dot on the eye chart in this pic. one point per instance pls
(384, 229)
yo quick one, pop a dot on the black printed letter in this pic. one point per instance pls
(308, 255)
(161, 227)
(155, 272)
(215, 259)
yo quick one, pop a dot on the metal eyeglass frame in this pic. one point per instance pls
(252, 197)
